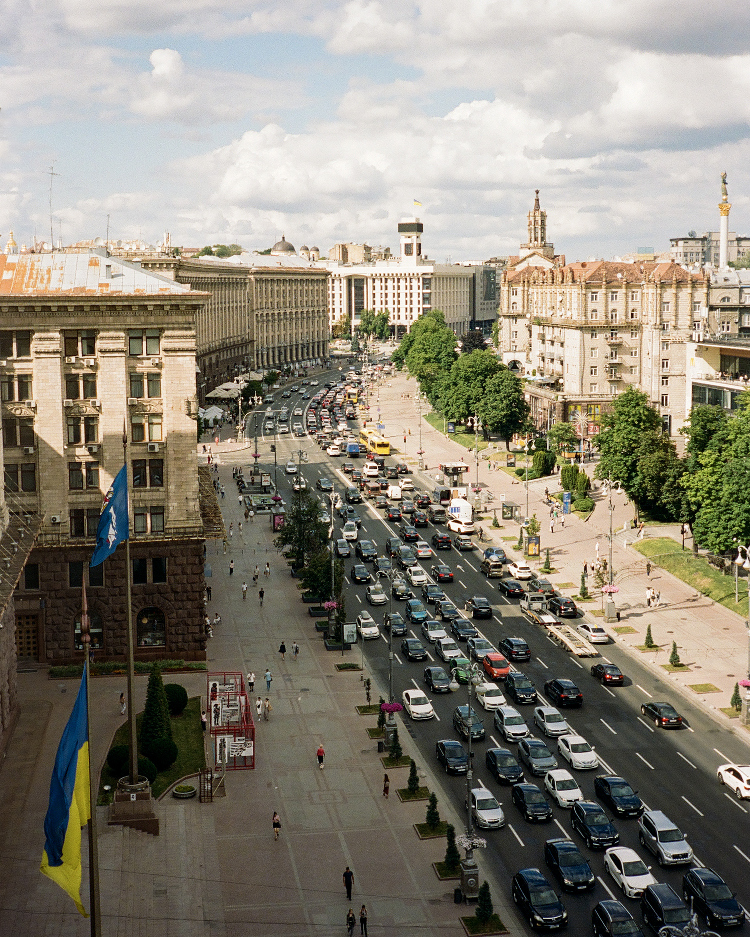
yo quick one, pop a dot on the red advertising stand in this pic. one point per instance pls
(230, 722)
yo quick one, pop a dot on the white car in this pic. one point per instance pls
(448, 649)
(349, 531)
(461, 527)
(486, 811)
(407, 484)
(577, 752)
(551, 721)
(416, 575)
(375, 594)
(628, 870)
(298, 411)
(291, 468)
(370, 470)
(490, 696)
(423, 550)
(366, 626)
(736, 777)
(519, 570)
(594, 634)
(562, 787)
(432, 630)
(300, 484)
(333, 449)
(417, 704)
(511, 723)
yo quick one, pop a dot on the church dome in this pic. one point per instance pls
(283, 247)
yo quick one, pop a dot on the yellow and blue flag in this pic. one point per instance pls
(69, 803)
(417, 204)
(113, 521)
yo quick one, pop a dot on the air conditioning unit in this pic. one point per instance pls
(54, 519)
(3, 362)
(96, 403)
(70, 359)
(28, 450)
(91, 362)
(153, 447)
(132, 401)
(31, 404)
(67, 403)
(93, 447)
(156, 362)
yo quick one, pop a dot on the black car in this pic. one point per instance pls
(611, 918)
(400, 590)
(324, 484)
(503, 766)
(462, 629)
(660, 905)
(531, 802)
(408, 533)
(441, 542)
(437, 679)
(432, 593)
(406, 557)
(563, 692)
(511, 588)
(353, 496)
(466, 720)
(663, 715)
(478, 606)
(618, 794)
(366, 550)
(446, 611)
(589, 820)
(568, 865)
(412, 649)
(380, 502)
(347, 468)
(537, 584)
(359, 573)
(712, 899)
(383, 565)
(441, 573)
(562, 607)
(394, 622)
(538, 901)
(356, 476)
(393, 545)
(391, 472)
(519, 688)
(608, 674)
(419, 519)
(347, 513)
(422, 501)
(515, 649)
(452, 756)
(402, 468)
(394, 513)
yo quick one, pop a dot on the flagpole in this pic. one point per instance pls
(95, 915)
(129, 612)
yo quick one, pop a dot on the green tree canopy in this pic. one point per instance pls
(462, 390)
(366, 322)
(316, 576)
(433, 345)
(220, 250)
(382, 325)
(303, 531)
(563, 437)
(503, 409)
(623, 431)
(472, 341)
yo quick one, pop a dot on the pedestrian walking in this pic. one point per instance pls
(562, 522)
(267, 570)
(223, 493)
(596, 547)
(208, 593)
(268, 679)
(267, 709)
(217, 619)
(244, 590)
(585, 568)
(552, 525)
(251, 681)
(256, 574)
(231, 567)
(363, 921)
(321, 763)
(204, 720)
(122, 704)
(351, 921)
(239, 526)
(259, 707)
(648, 569)
(648, 597)
(657, 599)
(261, 593)
(386, 786)
(295, 650)
(276, 823)
(239, 500)
(282, 648)
(348, 882)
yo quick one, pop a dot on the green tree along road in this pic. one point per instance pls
(303, 531)
(428, 351)
(562, 437)
(472, 341)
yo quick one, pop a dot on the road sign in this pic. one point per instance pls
(380, 426)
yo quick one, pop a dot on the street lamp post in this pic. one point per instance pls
(470, 842)
(610, 613)
(477, 427)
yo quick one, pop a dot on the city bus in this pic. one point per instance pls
(374, 443)
(351, 394)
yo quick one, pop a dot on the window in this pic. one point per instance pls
(665, 307)
(151, 628)
(89, 386)
(697, 306)
(665, 364)
(136, 384)
(75, 574)
(15, 344)
(634, 333)
(633, 369)
(594, 333)
(143, 342)
(91, 429)
(614, 296)
(159, 569)
(633, 352)
(613, 389)
(24, 386)
(665, 326)
(665, 380)
(96, 631)
(18, 433)
(634, 296)
(514, 334)
(83, 522)
(31, 576)
(594, 297)
(26, 473)
(96, 576)
(157, 519)
(665, 346)
(75, 476)
(594, 314)
(148, 473)
(140, 572)
(594, 352)
(140, 520)
(154, 427)
(74, 431)
(72, 387)
(8, 388)
(593, 388)
(613, 316)
(514, 291)
(593, 371)
(80, 344)
(137, 429)
(664, 400)
(633, 313)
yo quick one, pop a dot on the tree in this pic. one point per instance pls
(562, 437)
(485, 909)
(381, 714)
(366, 322)
(472, 341)
(340, 329)
(736, 701)
(316, 575)
(270, 377)
(543, 462)
(503, 409)
(649, 642)
(584, 591)
(382, 325)
(462, 390)
(396, 752)
(674, 657)
(303, 530)
(412, 785)
(155, 723)
(432, 817)
(432, 351)
(569, 477)
(452, 855)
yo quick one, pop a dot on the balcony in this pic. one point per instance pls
(613, 340)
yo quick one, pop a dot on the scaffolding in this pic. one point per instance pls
(230, 722)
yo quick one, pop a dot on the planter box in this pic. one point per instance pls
(316, 611)
(336, 645)
(309, 599)
(321, 626)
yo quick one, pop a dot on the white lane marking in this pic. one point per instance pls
(608, 726)
(606, 887)
(430, 657)
(542, 663)
(576, 662)
(689, 728)
(646, 763)
(397, 658)
(520, 841)
(607, 690)
(495, 742)
(736, 804)
(693, 806)
(606, 659)
(562, 828)
(687, 760)
(643, 723)
(644, 691)
(741, 852)
(461, 584)
(722, 755)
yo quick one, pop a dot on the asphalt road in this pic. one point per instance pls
(674, 771)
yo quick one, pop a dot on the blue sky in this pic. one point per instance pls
(240, 120)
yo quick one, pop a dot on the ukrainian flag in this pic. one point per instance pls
(69, 803)
(417, 204)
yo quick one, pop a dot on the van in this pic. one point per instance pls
(491, 567)
(352, 448)
(436, 513)
(268, 398)
(370, 470)
(441, 495)
(372, 489)
(394, 493)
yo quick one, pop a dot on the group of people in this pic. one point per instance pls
(653, 598)
(263, 708)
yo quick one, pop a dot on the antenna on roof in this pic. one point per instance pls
(106, 243)
(52, 174)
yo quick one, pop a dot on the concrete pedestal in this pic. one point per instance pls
(469, 879)
(610, 612)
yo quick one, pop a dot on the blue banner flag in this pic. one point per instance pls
(113, 523)
(69, 803)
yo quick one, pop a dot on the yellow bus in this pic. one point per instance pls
(351, 394)
(375, 443)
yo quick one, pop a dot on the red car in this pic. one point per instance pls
(496, 666)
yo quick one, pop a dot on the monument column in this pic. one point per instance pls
(724, 208)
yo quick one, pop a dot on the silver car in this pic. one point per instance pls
(486, 811)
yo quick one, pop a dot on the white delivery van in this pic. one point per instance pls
(461, 516)
(394, 493)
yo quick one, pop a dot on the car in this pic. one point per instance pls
(441, 573)
(445, 610)
(375, 594)
(536, 756)
(394, 623)
(408, 533)
(494, 552)
(519, 688)
(291, 468)
(618, 794)
(415, 611)
(663, 715)
(400, 590)
(736, 778)
(416, 576)
(594, 634)
(349, 531)
(706, 892)
(423, 550)
(366, 550)
(608, 674)
(537, 900)
(402, 468)
(347, 512)
(283, 429)
(491, 567)
(537, 584)
(478, 647)
(412, 649)
(356, 476)
(611, 918)
(359, 573)
(393, 513)
(661, 905)
(419, 519)
(479, 606)
(286, 393)
(466, 720)
(511, 588)
(562, 787)
(433, 631)
(417, 705)
(460, 526)
(407, 484)
(503, 766)
(531, 802)
(519, 569)
(462, 542)
(391, 472)
(392, 546)
(461, 628)
(324, 484)
(324, 517)
(299, 483)
(447, 649)
(347, 468)
(432, 593)
(495, 666)
(628, 870)
(353, 496)
(370, 469)
(437, 680)
(366, 626)
(515, 649)
(589, 820)
(568, 865)
(665, 840)
(551, 721)
(487, 812)
(452, 756)
(577, 752)
(343, 549)
(563, 692)
(422, 501)
(460, 669)
(405, 558)
(510, 723)
(562, 607)
(380, 502)
(382, 565)
(441, 542)
(407, 508)
(489, 696)
(333, 450)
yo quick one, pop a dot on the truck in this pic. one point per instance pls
(461, 516)
(534, 605)
(352, 450)
(442, 494)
